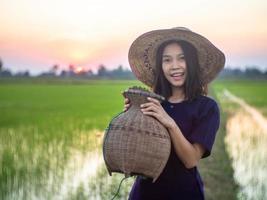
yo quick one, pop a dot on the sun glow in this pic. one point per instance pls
(79, 70)
(78, 56)
(90, 32)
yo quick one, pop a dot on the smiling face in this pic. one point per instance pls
(174, 65)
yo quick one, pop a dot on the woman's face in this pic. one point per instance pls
(174, 65)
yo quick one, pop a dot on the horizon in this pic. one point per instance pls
(83, 71)
(90, 33)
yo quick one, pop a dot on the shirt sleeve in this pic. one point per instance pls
(206, 126)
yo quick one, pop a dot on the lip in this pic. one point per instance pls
(177, 76)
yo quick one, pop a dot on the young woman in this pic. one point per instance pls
(178, 64)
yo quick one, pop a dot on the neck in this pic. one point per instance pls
(177, 95)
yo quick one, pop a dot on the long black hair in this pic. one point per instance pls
(193, 86)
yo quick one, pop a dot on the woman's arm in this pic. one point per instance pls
(188, 153)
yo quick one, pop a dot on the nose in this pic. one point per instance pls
(175, 64)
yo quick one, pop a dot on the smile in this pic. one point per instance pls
(177, 74)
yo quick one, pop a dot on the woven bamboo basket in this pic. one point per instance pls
(134, 143)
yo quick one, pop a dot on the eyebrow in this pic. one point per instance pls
(166, 55)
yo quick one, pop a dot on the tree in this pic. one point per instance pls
(90, 72)
(71, 68)
(118, 72)
(54, 68)
(102, 71)
(63, 73)
(5, 73)
(252, 72)
(1, 65)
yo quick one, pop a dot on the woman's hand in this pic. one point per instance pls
(126, 104)
(154, 109)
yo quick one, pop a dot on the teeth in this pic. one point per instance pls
(177, 74)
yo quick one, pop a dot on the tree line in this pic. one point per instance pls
(123, 73)
(73, 71)
(252, 72)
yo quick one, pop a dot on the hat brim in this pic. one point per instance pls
(142, 54)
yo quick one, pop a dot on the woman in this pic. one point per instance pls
(178, 64)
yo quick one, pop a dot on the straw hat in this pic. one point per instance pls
(142, 53)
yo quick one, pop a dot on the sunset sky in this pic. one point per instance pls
(36, 34)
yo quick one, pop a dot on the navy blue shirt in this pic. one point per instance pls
(199, 121)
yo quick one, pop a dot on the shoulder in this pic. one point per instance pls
(205, 104)
(202, 100)
(206, 100)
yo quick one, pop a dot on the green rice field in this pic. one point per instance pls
(51, 138)
(254, 92)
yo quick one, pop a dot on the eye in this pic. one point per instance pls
(166, 60)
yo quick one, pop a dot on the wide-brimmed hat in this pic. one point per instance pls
(142, 53)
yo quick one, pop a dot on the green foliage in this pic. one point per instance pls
(47, 125)
(252, 91)
(43, 127)
(88, 105)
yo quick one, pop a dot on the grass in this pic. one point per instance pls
(41, 125)
(43, 120)
(89, 105)
(252, 91)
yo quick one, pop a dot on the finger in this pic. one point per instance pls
(126, 107)
(126, 100)
(153, 114)
(150, 108)
(153, 100)
(144, 105)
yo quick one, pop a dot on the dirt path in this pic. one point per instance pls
(246, 141)
(259, 118)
